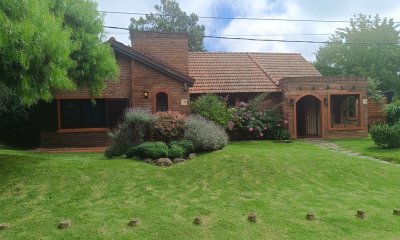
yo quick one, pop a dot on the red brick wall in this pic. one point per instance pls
(168, 48)
(146, 79)
(320, 87)
(375, 112)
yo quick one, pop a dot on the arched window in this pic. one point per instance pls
(161, 102)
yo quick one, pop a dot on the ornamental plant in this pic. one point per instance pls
(249, 121)
(169, 126)
(213, 108)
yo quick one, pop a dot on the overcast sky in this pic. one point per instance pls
(288, 9)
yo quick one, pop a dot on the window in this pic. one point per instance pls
(85, 113)
(161, 102)
(344, 110)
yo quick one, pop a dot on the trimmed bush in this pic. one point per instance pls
(176, 152)
(205, 134)
(169, 126)
(153, 150)
(213, 108)
(386, 136)
(392, 111)
(134, 129)
(187, 145)
(133, 151)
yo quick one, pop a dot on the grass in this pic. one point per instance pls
(366, 147)
(280, 182)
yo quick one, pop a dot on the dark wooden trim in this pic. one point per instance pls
(360, 112)
(76, 130)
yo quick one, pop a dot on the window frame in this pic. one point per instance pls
(86, 129)
(359, 112)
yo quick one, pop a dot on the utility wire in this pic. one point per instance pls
(240, 18)
(267, 40)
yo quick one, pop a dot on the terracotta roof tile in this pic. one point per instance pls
(221, 72)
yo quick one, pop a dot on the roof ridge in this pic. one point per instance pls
(261, 68)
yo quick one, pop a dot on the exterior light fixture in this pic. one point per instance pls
(291, 102)
(327, 87)
(326, 101)
(145, 94)
(354, 87)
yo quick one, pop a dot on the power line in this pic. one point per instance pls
(267, 40)
(240, 18)
(260, 35)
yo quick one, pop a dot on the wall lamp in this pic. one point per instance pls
(145, 94)
(291, 102)
(326, 101)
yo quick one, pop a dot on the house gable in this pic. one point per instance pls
(150, 62)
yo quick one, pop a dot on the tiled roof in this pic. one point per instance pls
(221, 72)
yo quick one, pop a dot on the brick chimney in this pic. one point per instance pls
(168, 48)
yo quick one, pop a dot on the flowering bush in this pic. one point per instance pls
(169, 126)
(249, 122)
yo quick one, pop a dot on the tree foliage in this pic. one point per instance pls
(368, 47)
(49, 45)
(170, 18)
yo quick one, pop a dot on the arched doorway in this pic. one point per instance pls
(308, 117)
(161, 102)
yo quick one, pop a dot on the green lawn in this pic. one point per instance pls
(366, 147)
(280, 182)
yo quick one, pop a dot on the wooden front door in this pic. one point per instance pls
(308, 117)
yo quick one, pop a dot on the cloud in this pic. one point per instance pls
(287, 9)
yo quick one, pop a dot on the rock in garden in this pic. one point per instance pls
(198, 220)
(178, 160)
(252, 217)
(64, 224)
(192, 155)
(165, 162)
(133, 222)
(3, 226)
(310, 216)
(360, 213)
(396, 211)
(148, 160)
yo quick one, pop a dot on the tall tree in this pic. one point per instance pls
(170, 18)
(368, 47)
(49, 45)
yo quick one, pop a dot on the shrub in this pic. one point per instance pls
(392, 111)
(213, 108)
(112, 152)
(132, 151)
(134, 129)
(278, 133)
(250, 122)
(176, 151)
(385, 135)
(187, 145)
(205, 134)
(169, 126)
(152, 150)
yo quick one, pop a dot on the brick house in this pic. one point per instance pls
(160, 74)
